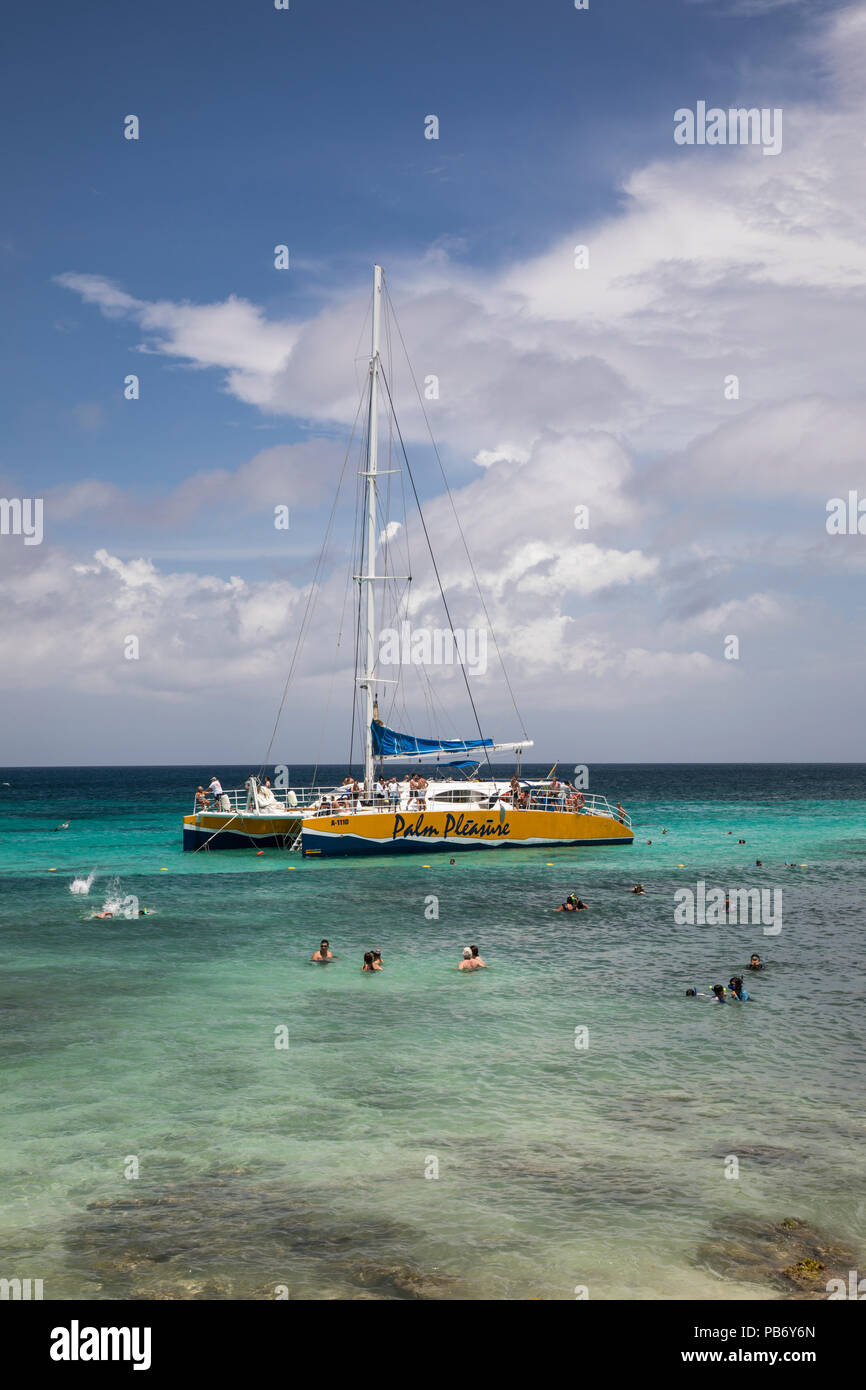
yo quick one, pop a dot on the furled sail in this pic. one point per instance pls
(389, 744)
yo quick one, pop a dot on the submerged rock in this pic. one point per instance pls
(403, 1281)
(789, 1255)
(236, 1236)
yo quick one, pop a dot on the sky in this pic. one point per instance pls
(598, 380)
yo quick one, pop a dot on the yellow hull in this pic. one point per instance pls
(221, 830)
(389, 832)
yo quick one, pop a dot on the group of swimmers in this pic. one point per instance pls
(575, 904)
(373, 959)
(736, 990)
(142, 912)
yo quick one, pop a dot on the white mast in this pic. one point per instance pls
(370, 577)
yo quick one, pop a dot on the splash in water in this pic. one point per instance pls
(113, 902)
(117, 903)
(82, 885)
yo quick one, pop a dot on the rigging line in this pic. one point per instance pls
(355, 692)
(364, 560)
(358, 544)
(346, 589)
(310, 604)
(357, 358)
(457, 520)
(333, 675)
(436, 570)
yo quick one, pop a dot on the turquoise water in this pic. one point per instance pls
(304, 1167)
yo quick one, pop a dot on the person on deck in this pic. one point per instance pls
(221, 801)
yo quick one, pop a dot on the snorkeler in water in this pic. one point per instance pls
(737, 989)
(572, 904)
(719, 993)
(756, 963)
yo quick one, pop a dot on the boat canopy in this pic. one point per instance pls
(391, 746)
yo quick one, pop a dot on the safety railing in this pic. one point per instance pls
(312, 801)
(237, 801)
(537, 799)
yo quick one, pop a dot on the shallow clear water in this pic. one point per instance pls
(305, 1167)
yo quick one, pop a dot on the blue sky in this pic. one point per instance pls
(306, 127)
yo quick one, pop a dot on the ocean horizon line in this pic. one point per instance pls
(344, 762)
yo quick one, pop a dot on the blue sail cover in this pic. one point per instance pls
(387, 743)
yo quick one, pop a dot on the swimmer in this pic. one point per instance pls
(370, 963)
(741, 842)
(64, 826)
(468, 962)
(649, 842)
(450, 861)
(759, 863)
(324, 953)
(756, 963)
(696, 994)
(481, 964)
(102, 914)
(638, 888)
(719, 993)
(377, 956)
(572, 904)
(664, 832)
(737, 990)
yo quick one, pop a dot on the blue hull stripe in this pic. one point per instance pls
(341, 846)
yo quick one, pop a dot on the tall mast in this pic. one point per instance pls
(370, 577)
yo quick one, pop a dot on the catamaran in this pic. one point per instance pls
(379, 815)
